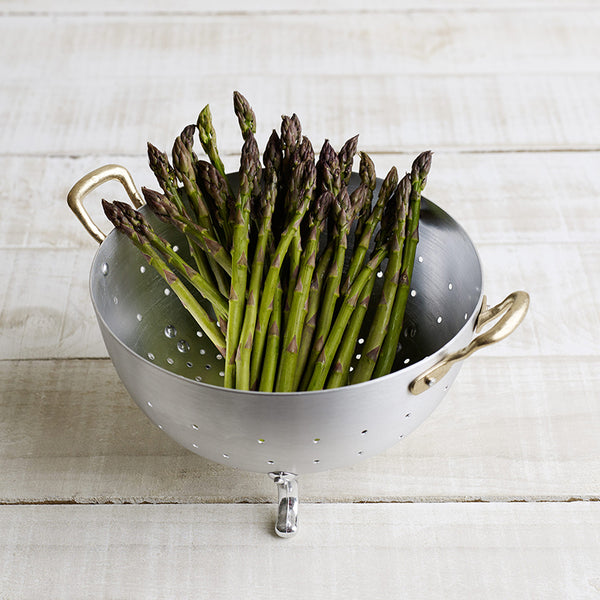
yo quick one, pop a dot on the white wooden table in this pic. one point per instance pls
(496, 494)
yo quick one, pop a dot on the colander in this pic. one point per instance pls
(175, 375)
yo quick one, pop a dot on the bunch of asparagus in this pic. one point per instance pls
(268, 283)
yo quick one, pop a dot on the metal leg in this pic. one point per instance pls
(287, 511)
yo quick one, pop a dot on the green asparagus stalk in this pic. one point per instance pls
(397, 211)
(270, 285)
(302, 154)
(291, 136)
(419, 172)
(183, 162)
(208, 139)
(346, 159)
(245, 115)
(289, 139)
(239, 256)
(204, 320)
(340, 370)
(172, 198)
(360, 251)
(368, 179)
(166, 177)
(302, 375)
(327, 354)
(216, 187)
(328, 170)
(267, 378)
(167, 213)
(256, 278)
(331, 292)
(297, 312)
(145, 231)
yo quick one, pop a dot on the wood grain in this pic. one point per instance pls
(422, 44)
(444, 83)
(87, 115)
(70, 433)
(240, 8)
(359, 551)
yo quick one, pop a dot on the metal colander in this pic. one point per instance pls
(175, 375)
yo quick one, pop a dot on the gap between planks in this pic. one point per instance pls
(384, 10)
(449, 500)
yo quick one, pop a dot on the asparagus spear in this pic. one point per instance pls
(167, 213)
(208, 139)
(331, 292)
(295, 322)
(291, 136)
(340, 369)
(165, 175)
(239, 255)
(183, 161)
(216, 187)
(145, 231)
(270, 285)
(204, 320)
(328, 170)
(267, 378)
(302, 154)
(397, 211)
(245, 115)
(302, 377)
(243, 359)
(361, 249)
(327, 354)
(369, 180)
(346, 158)
(419, 172)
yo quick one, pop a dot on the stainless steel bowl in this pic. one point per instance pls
(174, 373)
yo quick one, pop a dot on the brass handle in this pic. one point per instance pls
(90, 182)
(512, 311)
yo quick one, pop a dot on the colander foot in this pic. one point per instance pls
(287, 505)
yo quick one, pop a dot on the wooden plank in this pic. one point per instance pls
(487, 551)
(395, 113)
(46, 311)
(70, 433)
(189, 7)
(421, 44)
(510, 198)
